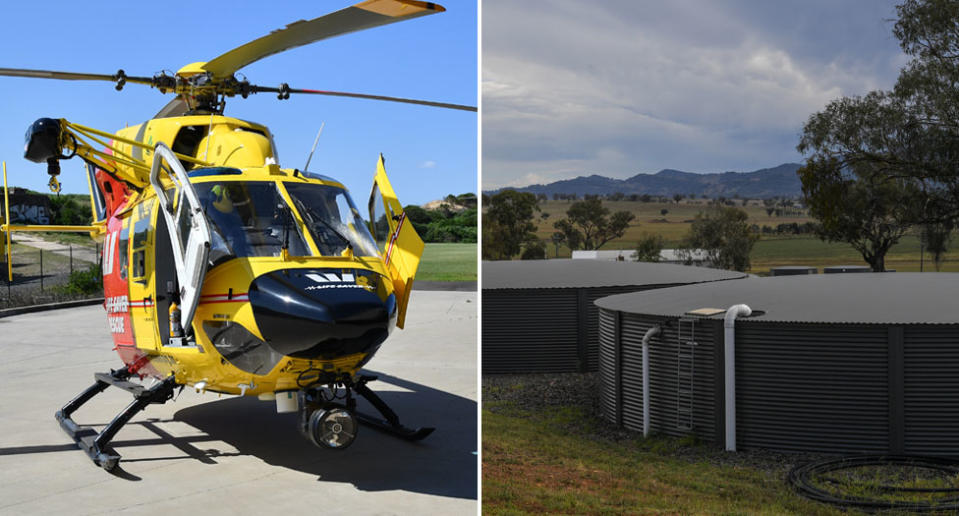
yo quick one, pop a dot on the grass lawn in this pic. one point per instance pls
(551, 461)
(809, 250)
(448, 262)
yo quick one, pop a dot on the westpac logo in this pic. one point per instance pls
(333, 280)
(332, 277)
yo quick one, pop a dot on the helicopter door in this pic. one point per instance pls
(189, 230)
(400, 246)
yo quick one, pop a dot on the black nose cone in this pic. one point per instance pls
(323, 313)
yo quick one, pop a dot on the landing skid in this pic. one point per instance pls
(95, 444)
(391, 424)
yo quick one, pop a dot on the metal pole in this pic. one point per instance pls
(41, 270)
(71, 259)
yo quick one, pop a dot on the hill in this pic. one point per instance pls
(780, 181)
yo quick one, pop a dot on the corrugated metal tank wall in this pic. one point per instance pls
(931, 390)
(622, 400)
(608, 368)
(530, 330)
(539, 330)
(812, 387)
(828, 388)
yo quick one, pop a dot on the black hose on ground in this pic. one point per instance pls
(801, 478)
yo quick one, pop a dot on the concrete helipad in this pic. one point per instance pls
(204, 454)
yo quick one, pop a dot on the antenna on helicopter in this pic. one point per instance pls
(317, 140)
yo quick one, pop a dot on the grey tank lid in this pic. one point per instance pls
(868, 298)
(528, 274)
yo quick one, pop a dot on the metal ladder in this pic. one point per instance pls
(685, 369)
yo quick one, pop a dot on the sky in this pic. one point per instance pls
(429, 152)
(621, 87)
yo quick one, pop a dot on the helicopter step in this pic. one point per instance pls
(94, 443)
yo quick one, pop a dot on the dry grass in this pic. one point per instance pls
(770, 251)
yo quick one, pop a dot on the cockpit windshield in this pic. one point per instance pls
(248, 219)
(332, 219)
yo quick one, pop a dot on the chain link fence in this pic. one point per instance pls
(42, 273)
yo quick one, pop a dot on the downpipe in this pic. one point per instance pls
(729, 324)
(650, 333)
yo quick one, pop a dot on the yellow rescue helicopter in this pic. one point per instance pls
(224, 271)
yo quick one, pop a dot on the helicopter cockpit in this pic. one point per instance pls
(254, 219)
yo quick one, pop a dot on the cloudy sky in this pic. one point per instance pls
(620, 87)
(429, 152)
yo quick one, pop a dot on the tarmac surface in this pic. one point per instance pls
(211, 455)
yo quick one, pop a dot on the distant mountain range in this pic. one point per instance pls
(780, 181)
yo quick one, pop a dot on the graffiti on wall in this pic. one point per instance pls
(28, 214)
(28, 208)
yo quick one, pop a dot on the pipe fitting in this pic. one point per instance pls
(729, 352)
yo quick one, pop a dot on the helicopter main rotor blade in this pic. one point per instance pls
(73, 76)
(364, 15)
(446, 105)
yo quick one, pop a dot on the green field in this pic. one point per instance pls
(553, 461)
(770, 251)
(448, 262)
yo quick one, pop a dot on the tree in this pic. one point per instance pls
(649, 247)
(678, 197)
(417, 214)
(908, 134)
(663, 212)
(467, 200)
(588, 224)
(66, 211)
(420, 218)
(557, 238)
(723, 233)
(567, 234)
(860, 206)
(508, 224)
(936, 238)
(534, 250)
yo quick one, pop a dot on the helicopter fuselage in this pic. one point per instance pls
(298, 288)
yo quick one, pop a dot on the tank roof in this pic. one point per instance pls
(529, 274)
(868, 298)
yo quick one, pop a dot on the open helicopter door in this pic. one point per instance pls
(400, 245)
(98, 204)
(189, 230)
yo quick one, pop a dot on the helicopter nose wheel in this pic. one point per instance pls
(332, 427)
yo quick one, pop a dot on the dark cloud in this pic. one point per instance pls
(621, 87)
